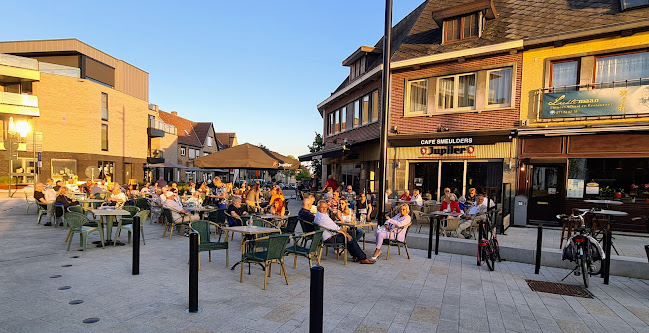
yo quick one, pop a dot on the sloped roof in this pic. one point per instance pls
(185, 127)
(226, 139)
(202, 129)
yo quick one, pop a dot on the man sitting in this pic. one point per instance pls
(236, 212)
(476, 211)
(323, 219)
(305, 212)
(416, 198)
(177, 209)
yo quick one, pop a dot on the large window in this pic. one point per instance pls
(64, 168)
(104, 137)
(375, 106)
(622, 67)
(183, 151)
(417, 96)
(565, 73)
(104, 106)
(331, 123)
(462, 27)
(627, 176)
(351, 175)
(456, 92)
(365, 106)
(192, 153)
(337, 121)
(343, 119)
(499, 87)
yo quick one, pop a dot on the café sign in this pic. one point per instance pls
(433, 151)
(598, 102)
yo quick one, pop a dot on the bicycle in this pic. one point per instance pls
(488, 246)
(583, 249)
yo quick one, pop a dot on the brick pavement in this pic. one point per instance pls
(448, 293)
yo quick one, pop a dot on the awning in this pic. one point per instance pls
(325, 153)
(166, 165)
(247, 156)
(207, 170)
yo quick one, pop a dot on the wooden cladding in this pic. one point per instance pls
(98, 71)
(602, 145)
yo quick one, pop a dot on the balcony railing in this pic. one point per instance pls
(155, 153)
(162, 126)
(16, 61)
(48, 68)
(18, 99)
(616, 99)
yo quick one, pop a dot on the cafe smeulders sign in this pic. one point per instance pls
(599, 102)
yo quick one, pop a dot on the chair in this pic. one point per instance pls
(142, 204)
(129, 220)
(234, 221)
(155, 209)
(310, 252)
(394, 241)
(77, 223)
(291, 224)
(43, 211)
(452, 223)
(202, 227)
(218, 216)
(30, 201)
(59, 207)
(170, 223)
(336, 245)
(420, 219)
(274, 253)
(144, 214)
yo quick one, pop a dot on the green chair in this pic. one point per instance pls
(43, 211)
(142, 204)
(170, 223)
(396, 242)
(76, 222)
(309, 252)
(144, 214)
(275, 249)
(30, 201)
(202, 227)
(290, 226)
(129, 219)
(338, 246)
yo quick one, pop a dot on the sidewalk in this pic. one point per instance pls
(448, 293)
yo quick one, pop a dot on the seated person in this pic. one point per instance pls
(195, 199)
(146, 190)
(346, 214)
(405, 196)
(389, 229)
(236, 212)
(40, 196)
(277, 208)
(87, 187)
(329, 193)
(334, 202)
(305, 212)
(323, 219)
(118, 198)
(471, 197)
(276, 194)
(58, 185)
(63, 199)
(462, 203)
(416, 198)
(177, 208)
(363, 207)
(479, 209)
(350, 195)
(450, 204)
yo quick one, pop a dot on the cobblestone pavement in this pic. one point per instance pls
(448, 293)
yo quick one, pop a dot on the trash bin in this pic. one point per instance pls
(520, 210)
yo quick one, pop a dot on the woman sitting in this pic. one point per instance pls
(278, 208)
(405, 196)
(118, 198)
(62, 198)
(363, 208)
(389, 229)
(346, 214)
(450, 204)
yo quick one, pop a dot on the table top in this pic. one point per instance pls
(110, 212)
(271, 216)
(605, 212)
(358, 224)
(251, 230)
(204, 209)
(91, 200)
(604, 202)
(443, 213)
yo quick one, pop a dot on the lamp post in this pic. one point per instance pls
(22, 128)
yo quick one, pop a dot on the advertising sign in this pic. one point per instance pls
(597, 102)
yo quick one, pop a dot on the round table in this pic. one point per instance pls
(604, 202)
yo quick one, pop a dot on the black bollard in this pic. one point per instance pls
(193, 273)
(607, 251)
(136, 245)
(430, 237)
(437, 226)
(316, 299)
(539, 243)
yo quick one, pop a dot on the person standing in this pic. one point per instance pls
(331, 182)
(161, 182)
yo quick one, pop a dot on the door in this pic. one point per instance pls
(547, 192)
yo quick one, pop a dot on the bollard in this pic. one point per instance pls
(481, 236)
(193, 273)
(136, 245)
(316, 299)
(607, 250)
(430, 237)
(437, 226)
(539, 243)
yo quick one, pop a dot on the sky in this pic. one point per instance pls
(257, 68)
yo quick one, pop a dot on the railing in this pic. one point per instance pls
(18, 99)
(16, 61)
(48, 68)
(155, 153)
(161, 125)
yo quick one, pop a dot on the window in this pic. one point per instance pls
(65, 168)
(183, 151)
(356, 114)
(209, 141)
(417, 96)
(565, 73)
(357, 68)
(456, 92)
(337, 121)
(104, 137)
(343, 119)
(331, 123)
(375, 106)
(462, 27)
(104, 106)
(191, 153)
(365, 107)
(622, 67)
(499, 87)
(628, 4)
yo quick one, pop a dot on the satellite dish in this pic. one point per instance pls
(92, 172)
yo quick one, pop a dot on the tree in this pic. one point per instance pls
(302, 174)
(318, 145)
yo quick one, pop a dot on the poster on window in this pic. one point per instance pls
(596, 102)
(575, 188)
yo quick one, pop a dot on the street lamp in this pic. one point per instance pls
(22, 128)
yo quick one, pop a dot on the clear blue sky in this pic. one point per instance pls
(258, 68)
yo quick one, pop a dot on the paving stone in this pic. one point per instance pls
(572, 327)
(425, 314)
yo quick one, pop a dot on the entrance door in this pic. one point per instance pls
(547, 192)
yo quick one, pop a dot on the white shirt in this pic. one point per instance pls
(50, 195)
(477, 209)
(119, 196)
(417, 199)
(173, 204)
(325, 221)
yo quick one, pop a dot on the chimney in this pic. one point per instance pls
(175, 113)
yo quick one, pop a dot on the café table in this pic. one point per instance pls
(437, 216)
(275, 219)
(200, 210)
(249, 233)
(88, 204)
(355, 225)
(111, 215)
(606, 203)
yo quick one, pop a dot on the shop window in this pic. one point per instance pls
(104, 106)
(375, 106)
(106, 170)
(64, 168)
(343, 119)
(499, 87)
(565, 75)
(629, 4)
(463, 27)
(624, 177)
(104, 137)
(457, 92)
(484, 176)
(427, 172)
(417, 97)
(622, 67)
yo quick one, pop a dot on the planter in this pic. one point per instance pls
(617, 195)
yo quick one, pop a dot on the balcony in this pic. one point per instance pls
(16, 69)
(606, 100)
(21, 104)
(158, 128)
(155, 156)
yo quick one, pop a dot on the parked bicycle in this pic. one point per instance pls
(583, 249)
(488, 247)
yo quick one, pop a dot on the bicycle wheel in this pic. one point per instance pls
(496, 250)
(584, 271)
(489, 258)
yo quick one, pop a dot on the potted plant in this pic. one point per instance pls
(618, 194)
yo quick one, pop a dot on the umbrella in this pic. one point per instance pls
(247, 156)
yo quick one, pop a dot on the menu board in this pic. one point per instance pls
(575, 188)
